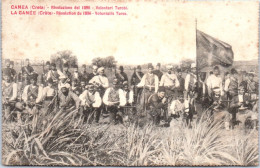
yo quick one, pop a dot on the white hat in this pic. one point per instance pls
(193, 65)
(66, 85)
(95, 67)
(169, 67)
(101, 69)
(62, 76)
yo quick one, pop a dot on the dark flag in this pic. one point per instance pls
(211, 51)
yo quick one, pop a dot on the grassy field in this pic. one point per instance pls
(66, 140)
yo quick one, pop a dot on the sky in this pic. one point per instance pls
(153, 31)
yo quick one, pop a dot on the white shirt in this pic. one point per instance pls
(25, 91)
(102, 80)
(214, 82)
(122, 97)
(176, 106)
(131, 96)
(143, 82)
(169, 80)
(187, 81)
(53, 72)
(84, 101)
(46, 92)
(227, 82)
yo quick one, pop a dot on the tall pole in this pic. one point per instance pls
(197, 73)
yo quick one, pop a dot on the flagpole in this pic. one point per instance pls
(197, 73)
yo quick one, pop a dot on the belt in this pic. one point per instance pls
(49, 98)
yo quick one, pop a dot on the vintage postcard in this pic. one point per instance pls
(130, 83)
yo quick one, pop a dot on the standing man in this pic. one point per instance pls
(157, 103)
(94, 73)
(121, 75)
(13, 72)
(215, 86)
(66, 72)
(158, 71)
(47, 68)
(150, 84)
(9, 94)
(76, 74)
(114, 99)
(84, 73)
(191, 93)
(170, 82)
(100, 81)
(231, 84)
(27, 70)
(135, 79)
(90, 104)
(181, 80)
(54, 74)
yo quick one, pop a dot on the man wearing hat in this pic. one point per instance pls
(54, 74)
(32, 94)
(150, 84)
(66, 72)
(63, 80)
(47, 68)
(114, 99)
(156, 104)
(170, 82)
(90, 104)
(215, 85)
(27, 70)
(129, 94)
(181, 80)
(231, 84)
(7, 69)
(94, 73)
(13, 72)
(9, 94)
(84, 72)
(121, 75)
(191, 90)
(158, 71)
(67, 99)
(135, 79)
(76, 74)
(100, 81)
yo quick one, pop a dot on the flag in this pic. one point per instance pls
(211, 52)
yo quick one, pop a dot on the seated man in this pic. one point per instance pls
(114, 99)
(90, 104)
(156, 104)
(67, 99)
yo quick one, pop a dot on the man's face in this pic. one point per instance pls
(50, 84)
(158, 67)
(150, 70)
(241, 90)
(33, 81)
(53, 68)
(63, 80)
(7, 78)
(64, 90)
(161, 94)
(65, 68)
(181, 99)
(83, 84)
(75, 70)
(138, 70)
(179, 74)
(169, 71)
(95, 70)
(216, 72)
(101, 72)
(11, 65)
(251, 77)
(27, 63)
(121, 70)
(48, 67)
(193, 70)
(8, 64)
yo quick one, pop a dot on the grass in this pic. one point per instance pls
(66, 140)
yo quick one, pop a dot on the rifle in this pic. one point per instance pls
(135, 92)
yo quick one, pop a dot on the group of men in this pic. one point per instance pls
(154, 95)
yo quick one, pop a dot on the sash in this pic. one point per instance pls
(89, 100)
(169, 77)
(150, 80)
(113, 95)
(8, 90)
(53, 76)
(121, 76)
(138, 75)
(27, 71)
(32, 92)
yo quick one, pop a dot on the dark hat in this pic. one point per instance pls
(27, 59)
(50, 80)
(125, 83)
(161, 89)
(7, 61)
(150, 65)
(138, 67)
(121, 67)
(115, 81)
(66, 65)
(216, 68)
(178, 69)
(12, 62)
(158, 64)
(90, 87)
(48, 63)
(84, 66)
(53, 64)
(233, 71)
(34, 76)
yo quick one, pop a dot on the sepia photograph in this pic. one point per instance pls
(130, 83)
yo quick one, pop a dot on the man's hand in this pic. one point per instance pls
(164, 100)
